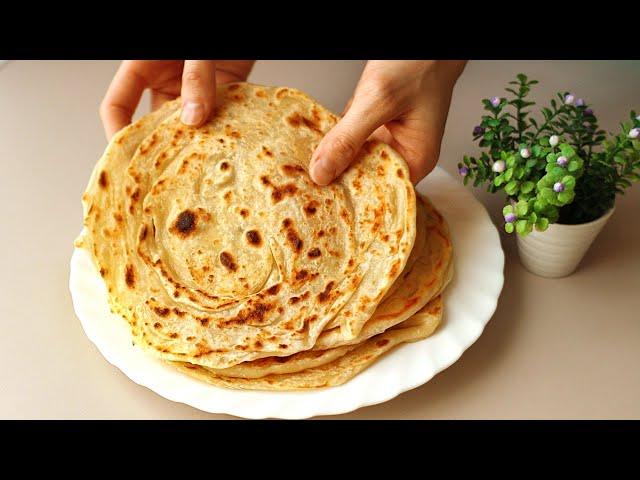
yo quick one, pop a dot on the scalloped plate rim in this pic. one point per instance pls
(365, 389)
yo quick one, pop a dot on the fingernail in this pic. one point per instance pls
(192, 113)
(320, 173)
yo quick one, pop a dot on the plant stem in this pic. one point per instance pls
(518, 120)
(544, 125)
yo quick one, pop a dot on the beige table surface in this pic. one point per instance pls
(566, 348)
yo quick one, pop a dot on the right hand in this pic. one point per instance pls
(194, 80)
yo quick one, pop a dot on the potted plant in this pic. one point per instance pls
(560, 173)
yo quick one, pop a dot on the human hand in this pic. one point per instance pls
(402, 103)
(194, 80)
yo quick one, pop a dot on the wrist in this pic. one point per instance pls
(443, 72)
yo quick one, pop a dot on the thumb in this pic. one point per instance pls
(339, 147)
(198, 91)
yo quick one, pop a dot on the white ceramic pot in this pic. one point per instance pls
(557, 251)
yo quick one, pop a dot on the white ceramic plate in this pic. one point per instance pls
(469, 301)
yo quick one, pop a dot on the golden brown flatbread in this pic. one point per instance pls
(217, 247)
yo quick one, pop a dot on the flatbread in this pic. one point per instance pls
(217, 247)
(430, 271)
(425, 279)
(336, 372)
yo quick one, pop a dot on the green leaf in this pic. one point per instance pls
(508, 227)
(508, 174)
(499, 180)
(569, 182)
(566, 197)
(573, 166)
(531, 162)
(545, 181)
(566, 150)
(552, 214)
(526, 187)
(507, 210)
(547, 194)
(536, 149)
(511, 188)
(522, 208)
(542, 224)
(521, 227)
(556, 172)
(539, 205)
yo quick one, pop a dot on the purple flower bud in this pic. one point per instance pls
(588, 112)
(558, 187)
(495, 101)
(553, 140)
(463, 171)
(498, 166)
(579, 102)
(525, 153)
(562, 161)
(477, 130)
(634, 133)
(568, 99)
(510, 217)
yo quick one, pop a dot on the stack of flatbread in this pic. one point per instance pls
(231, 265)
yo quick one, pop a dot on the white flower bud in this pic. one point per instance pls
(634, 133)
(525, 153)
(568, 99)
(553, 140)
(498, 166)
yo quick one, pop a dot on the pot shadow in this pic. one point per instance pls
(474, 364)
(612, 248)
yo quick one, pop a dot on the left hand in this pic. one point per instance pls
(402, 103)
(194, 80)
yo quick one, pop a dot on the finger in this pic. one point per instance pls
(419, 160)
(417, 138)
(122, 98)
(347, 106)
(382, 134)
(339, 147)
(198, 91)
